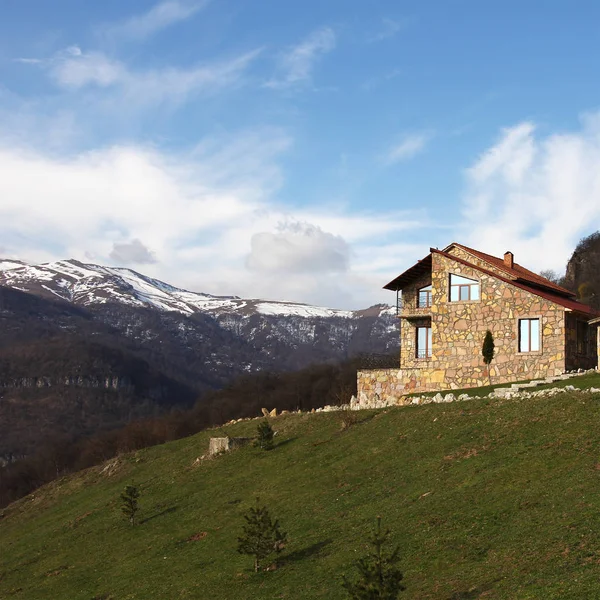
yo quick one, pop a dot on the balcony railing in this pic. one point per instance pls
(423, 354)
(415, 311)
(422, 308)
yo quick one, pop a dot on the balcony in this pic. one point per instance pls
(414, 312)
(417, 307)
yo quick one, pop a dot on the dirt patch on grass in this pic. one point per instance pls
(466, 453)
(56, 572)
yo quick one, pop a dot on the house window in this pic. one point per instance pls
(423, 342)
(529, 335)
(462, 288)
(424, 299)
(582, 337)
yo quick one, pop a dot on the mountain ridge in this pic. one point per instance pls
(87, 284)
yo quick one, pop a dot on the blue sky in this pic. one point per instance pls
(302, 151)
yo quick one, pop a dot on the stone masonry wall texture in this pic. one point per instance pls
(458, 329)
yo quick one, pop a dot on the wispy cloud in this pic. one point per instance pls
(73, 69)
(157, 18)
(388, 29)
(378, 80)
(296, 65)
(29, 61)
(407, 148)
(535, 194)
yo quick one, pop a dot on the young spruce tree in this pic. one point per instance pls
(261, 535)
(378, 574)
(487, 351)
(129, 502)
(265, 433)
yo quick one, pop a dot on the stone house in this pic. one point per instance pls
(448, 300)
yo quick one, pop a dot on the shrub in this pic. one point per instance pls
(487, 350)
(348, 418)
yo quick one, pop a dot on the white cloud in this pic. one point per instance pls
(159, 17)
(535, 194)
(407, 148)
(74, 70)
(133, 252)
(388, 29)
(296, 65)
(207, 220)
(298, 248)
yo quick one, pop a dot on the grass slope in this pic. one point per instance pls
(494, 499)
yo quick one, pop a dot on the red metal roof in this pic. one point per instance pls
(559, 299)
(518, 276)
(521, 273)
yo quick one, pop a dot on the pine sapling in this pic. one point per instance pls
(379, 576)
(129, 503)
(487, 351)
(265, 433)
(261, 535)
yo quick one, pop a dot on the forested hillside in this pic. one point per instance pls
(583, 270)
(63, 451)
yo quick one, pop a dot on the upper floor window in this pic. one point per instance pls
(529, 335)
(424, 299)
(462, 288)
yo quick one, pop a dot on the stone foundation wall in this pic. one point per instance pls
(392, 385)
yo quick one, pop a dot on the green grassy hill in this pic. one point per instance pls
(494, 499)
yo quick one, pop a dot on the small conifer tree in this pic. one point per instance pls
(487, 351)
(265, 433)
(378, 574)
(129, 502)
(261, 535)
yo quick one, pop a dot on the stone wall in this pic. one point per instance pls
(574, 358)
(475, 260)
(224, 444)
(458, 329)
(392, 385)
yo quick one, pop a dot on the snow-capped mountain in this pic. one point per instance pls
(90, 284)
(84, 346)
(254, 334)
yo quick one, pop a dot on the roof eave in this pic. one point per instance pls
(418, 269)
